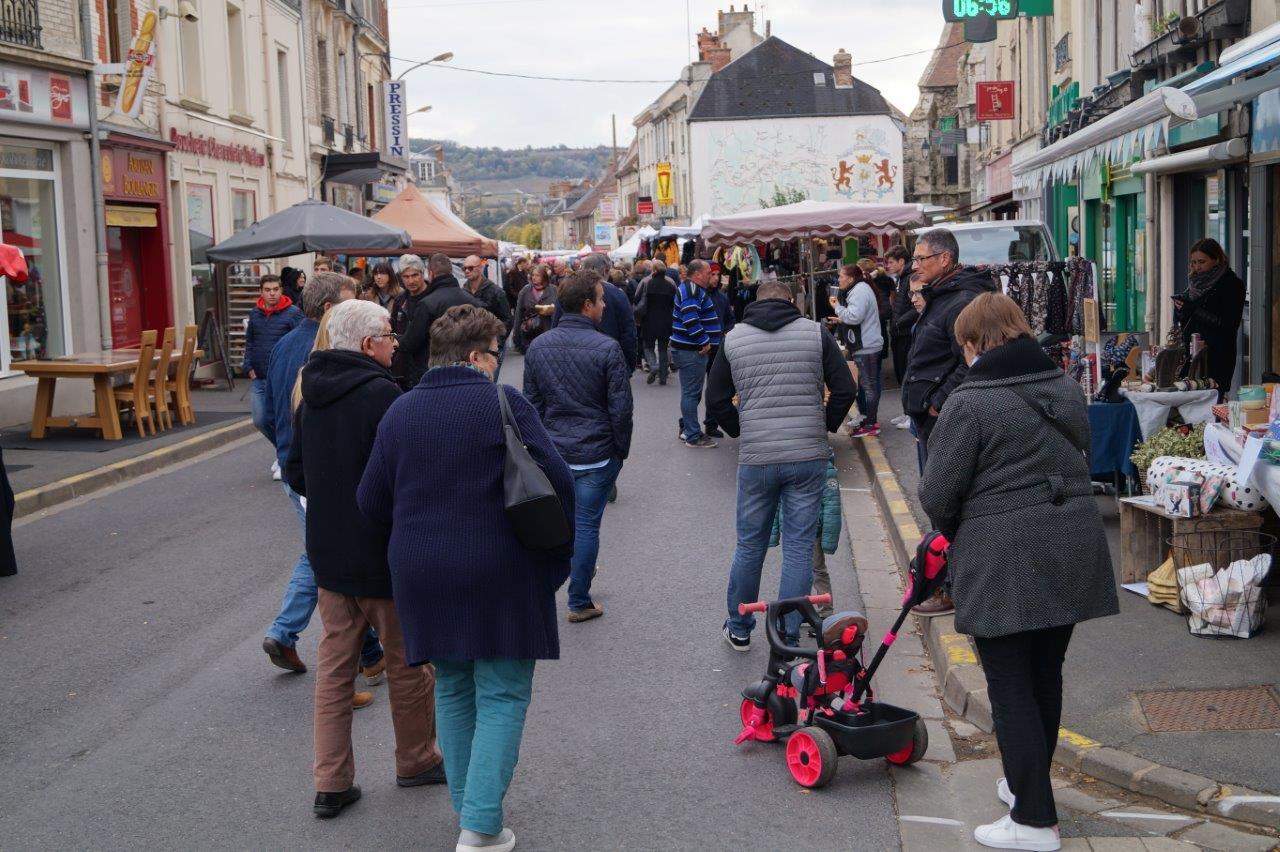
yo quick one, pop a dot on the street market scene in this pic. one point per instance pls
(549, 425)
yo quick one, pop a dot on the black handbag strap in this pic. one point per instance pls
(1046, 413)
(508, 419)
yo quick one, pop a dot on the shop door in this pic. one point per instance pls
(124, 270)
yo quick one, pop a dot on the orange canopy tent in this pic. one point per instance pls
(432, 229)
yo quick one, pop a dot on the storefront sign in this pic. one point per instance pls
(384, 193)
(995, 100)
(121, 216)
(138, 68)
(133, 174)
(397, 131)
(207, 146)
(609, 208)
(603, 237)
(33, 96)
(666, 190)
(644, 205)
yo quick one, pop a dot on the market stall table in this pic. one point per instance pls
(99, 367)
(1153, 407)
(1113, 433)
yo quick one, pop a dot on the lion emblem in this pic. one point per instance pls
(841, 177)
(885, 177)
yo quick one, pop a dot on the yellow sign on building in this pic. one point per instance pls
(666, 190)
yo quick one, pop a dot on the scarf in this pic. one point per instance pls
(1201, 283)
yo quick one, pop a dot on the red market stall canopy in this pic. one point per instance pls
(431, 229)
(828, 219)
(306, 227)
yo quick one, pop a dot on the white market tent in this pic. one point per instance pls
(629, 249)
(805, 219)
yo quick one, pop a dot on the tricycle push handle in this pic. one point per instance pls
(762, 606)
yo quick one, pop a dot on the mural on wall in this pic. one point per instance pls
(827, 162)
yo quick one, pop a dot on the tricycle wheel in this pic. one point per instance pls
(811, 757)
(915, 751)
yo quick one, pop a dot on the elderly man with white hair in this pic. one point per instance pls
(346, 389)
(411, 358)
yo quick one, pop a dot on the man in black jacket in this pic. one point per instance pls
(443, 293)
(619, 321)
(490, 296)
(346, 390)
(897, 262)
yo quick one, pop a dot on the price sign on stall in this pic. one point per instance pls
(960, 11)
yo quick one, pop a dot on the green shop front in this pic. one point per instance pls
(1114, 236)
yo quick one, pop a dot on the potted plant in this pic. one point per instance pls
(1183, 441)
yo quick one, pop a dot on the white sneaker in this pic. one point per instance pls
(275, 471)
(1004, 794)
(901, 421)
(1004, 833)
(471, 841)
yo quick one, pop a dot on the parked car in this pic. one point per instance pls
(1001, 241)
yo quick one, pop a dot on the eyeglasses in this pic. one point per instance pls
(921, 258)
(495, 353)
(390, 334)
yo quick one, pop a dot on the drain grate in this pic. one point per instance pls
(1251, 708)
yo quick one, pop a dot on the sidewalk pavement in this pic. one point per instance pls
(70, 463)
(1111, 660)
(952, 790)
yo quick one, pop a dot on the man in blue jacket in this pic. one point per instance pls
(695, 330)
(274, 316)
(324, 290)
(578, 381)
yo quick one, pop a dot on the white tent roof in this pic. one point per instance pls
(811, 219)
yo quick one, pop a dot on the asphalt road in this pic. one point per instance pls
(140, 711)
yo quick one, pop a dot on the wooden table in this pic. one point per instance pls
(97, 366)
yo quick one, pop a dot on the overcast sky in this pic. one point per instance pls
(611, 39)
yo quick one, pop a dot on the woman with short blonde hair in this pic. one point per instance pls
(1007, 482)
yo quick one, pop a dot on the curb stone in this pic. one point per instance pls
(964, 688)
(63, 490)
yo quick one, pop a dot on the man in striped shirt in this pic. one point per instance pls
(695, 329)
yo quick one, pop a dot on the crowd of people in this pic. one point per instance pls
(396, 453)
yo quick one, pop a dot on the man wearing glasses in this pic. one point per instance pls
(491, 297)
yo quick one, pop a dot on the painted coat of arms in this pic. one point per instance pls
(866, 172)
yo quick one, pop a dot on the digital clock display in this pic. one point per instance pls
(968, 10)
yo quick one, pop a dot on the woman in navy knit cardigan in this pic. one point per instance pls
(471, 599)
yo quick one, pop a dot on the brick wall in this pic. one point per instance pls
(60, 26)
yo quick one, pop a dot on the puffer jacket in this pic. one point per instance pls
(265, 328)
(1013, 494)
(936, 365)
(579, 383)
(830, 522)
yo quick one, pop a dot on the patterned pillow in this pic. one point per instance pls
(1232, 493)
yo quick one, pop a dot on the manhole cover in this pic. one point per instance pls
(1250, 708)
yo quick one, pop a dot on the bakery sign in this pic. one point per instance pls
(136, 175)
(207, 146)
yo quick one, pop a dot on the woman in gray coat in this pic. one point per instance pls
(1008, 483)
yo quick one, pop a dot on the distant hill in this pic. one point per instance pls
(468, 165)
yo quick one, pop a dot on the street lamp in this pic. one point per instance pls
(443, 57)
(426, 108)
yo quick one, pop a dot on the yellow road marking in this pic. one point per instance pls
(1077, 740)
(958, 650)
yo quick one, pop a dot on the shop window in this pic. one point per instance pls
(951, 165)
(236, 57)
(192, 62)
(200, 234)
(29, 222)
(286, 106)
(243, 209)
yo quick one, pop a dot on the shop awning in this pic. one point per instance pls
(360, 169)
(1137, 128)
(309, 226)
(1196, 158)
(811, 219)
(122, 216)
(1258, 51)
(1239, 92)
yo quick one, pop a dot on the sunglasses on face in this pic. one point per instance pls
(470, 268)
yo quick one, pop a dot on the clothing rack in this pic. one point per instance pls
(1051, 293)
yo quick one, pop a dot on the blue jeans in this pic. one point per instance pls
(480, 712)
(258, 405)
(590, 494)
(869, 386)
(693, 375)
(300, 598)
(797, 487)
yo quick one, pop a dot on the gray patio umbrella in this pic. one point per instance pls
(305, 227)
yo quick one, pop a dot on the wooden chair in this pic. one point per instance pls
(159, 390)
(180, 387)
(136, 395)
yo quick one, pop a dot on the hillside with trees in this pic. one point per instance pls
(468, 164)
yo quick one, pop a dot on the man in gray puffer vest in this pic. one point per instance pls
(777, 363)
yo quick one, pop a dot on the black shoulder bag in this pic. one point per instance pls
(533, 507)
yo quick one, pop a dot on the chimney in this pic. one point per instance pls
(768, 28)
(843, 69)
(706, 41)
(439, 152)
(718, 57)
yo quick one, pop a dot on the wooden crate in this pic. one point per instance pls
(1145, 531)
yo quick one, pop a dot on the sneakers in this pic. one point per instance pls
(737, 643)
(275, 470)
(902, 421)
(653, 377)
(329, 805)
(703, 443)
(376, 673)
(283, 656)
(939, 604)
(1004, 833)
(434, 775)
(867, 430)
(474, 841)
(1004, 794)
(577, 616)
(713, 432)
(361, 700)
